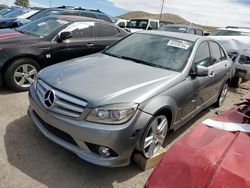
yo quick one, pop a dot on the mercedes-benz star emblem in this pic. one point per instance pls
(49, 98)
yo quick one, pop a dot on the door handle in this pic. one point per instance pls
(90, 45)
(211, 75)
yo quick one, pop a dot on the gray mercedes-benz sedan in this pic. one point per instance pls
(104, 106)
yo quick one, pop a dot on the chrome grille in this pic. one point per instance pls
(64, 104)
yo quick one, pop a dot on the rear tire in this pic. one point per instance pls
(21, 73)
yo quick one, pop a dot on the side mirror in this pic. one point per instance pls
(200, 71)
(64, 35)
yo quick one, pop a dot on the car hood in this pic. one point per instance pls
(10, 38)
(101, 79)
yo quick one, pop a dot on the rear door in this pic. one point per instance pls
(105, 35)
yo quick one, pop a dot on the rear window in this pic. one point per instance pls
(104, 17)
(174, 29)
(85, 14)
(105, 30)
(45, 13)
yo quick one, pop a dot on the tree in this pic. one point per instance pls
(23, 3)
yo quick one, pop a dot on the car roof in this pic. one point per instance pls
(77, 18)
(183, 25)
(183, 36)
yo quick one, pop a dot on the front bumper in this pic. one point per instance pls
(77, 136)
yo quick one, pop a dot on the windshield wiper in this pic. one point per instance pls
(113, 55)
(141, 62)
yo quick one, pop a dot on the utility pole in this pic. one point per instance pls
(162, 6)
(50, 3)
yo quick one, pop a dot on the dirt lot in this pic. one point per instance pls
(28, 159)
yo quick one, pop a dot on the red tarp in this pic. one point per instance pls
(208, 157)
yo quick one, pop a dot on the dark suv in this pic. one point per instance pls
(182, 29)
(63, 10)
(24, 51)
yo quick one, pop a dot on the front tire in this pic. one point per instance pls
(21, 74)
(154, 136)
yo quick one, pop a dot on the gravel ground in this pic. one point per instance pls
(28, 159)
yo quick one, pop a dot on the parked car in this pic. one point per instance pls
(214, 154)
(163, 23)
(232, 31)
(135, 25)
(11, 10)
(50, 40)
(237, 48)
(182, 29)
(122, 23)
(3, 6)
(7, 20)
(64, 10)
(104, 106)
(241, 61)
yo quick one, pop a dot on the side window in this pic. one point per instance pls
(191, 31)
(223, 55)
(81, 29)
(202, 56)
(104, 17)
(153, 25)
(105, 30)
(199, 32)
(215, 52)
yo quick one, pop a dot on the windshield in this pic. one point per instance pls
(44, 13)
(173, 29)
(43, 27)
(14, 14)
(4, 11)
(153, 50)
(138, 24)
(225, 33)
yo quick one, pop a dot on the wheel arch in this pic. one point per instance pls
(30, 56)
(161, 105)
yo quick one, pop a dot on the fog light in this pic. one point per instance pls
(104, 151)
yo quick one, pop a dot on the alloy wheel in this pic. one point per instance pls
(25, 75)
(155, 136)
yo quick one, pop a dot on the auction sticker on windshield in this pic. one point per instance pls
(178, 44)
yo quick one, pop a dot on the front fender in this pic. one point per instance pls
(159, 103)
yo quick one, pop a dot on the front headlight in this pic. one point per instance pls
(112, 114)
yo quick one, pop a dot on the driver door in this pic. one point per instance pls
(80, 44)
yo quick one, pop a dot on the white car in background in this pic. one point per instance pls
(135, 25)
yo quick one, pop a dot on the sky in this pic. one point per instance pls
(211, 12)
